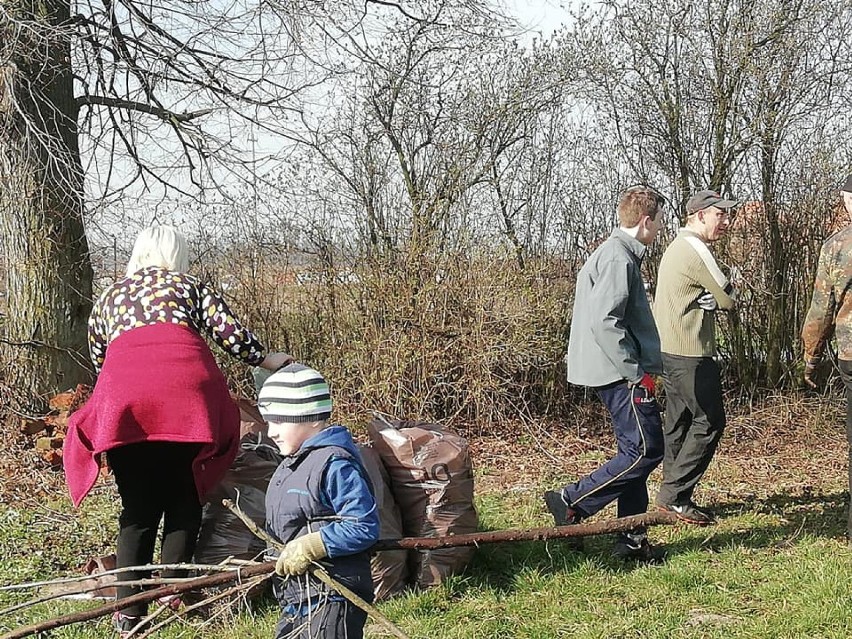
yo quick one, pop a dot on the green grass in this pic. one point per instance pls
(775, 566)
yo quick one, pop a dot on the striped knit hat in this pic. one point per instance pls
(295, 394)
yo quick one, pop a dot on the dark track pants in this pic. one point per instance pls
(695, 420)
(638, 432)
(155, 481)
(846, 376)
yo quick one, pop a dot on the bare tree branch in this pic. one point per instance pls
(142, 107)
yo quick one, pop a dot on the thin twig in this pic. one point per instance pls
(223, 567)
(205, 602)
(84, 588)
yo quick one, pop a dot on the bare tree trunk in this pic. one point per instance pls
(776, 339)
(49, 275)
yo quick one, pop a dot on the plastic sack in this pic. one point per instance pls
(432, 480)
(389, 567)
(222, 533)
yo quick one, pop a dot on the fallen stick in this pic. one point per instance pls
(320, 574)
(85, 587)
(206, 602)
(114, 571)
(623, 524)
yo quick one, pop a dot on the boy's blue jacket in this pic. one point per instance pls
(345, 490)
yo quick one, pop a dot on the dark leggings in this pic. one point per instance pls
(155, 481)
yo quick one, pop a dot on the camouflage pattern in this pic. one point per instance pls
(831, 305)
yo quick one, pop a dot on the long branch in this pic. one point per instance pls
(142, 107)
(623, 524)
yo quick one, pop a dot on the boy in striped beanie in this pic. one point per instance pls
(320, 504)
(296, 403)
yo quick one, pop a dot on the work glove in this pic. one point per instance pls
(297, 556)
(646, 383)
(707, 301)
(810, 371)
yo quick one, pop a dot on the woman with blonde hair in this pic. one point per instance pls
(160, 410)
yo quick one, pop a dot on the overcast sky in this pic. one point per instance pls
(543, 16)
(540, 17)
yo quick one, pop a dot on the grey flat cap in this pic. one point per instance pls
(703, 199)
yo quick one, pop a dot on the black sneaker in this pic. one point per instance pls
(690, 513)
(635, 547)
(563, 513)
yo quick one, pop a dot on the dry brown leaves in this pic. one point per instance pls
(783, 442)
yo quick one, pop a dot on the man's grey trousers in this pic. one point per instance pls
(695, 419)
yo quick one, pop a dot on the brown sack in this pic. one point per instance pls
(251, 421)
(432, 480)
(389, 567)
(97, 565)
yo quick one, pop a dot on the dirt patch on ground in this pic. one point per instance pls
(793, 444)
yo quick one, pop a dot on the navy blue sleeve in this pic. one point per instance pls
(347, 492)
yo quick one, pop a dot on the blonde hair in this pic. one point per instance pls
(636, 202)
(161, 246)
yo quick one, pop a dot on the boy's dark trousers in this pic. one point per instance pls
(638, 432)
(846, 376)
(695, 420)
(333, 619)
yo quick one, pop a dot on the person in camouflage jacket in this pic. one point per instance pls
(831, 312)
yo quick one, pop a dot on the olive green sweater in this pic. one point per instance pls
(684, 275)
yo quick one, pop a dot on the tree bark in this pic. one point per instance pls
(48, 275)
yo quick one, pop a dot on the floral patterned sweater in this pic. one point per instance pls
(156, 295)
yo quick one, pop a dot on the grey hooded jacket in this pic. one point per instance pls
(613, 334)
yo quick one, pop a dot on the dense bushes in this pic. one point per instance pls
(459, 336)
(473, 336)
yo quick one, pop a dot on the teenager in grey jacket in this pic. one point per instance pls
(614, 348)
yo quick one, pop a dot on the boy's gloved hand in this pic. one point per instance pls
(707, 301)
(298, 555)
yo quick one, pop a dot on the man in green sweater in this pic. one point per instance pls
(690, 288)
